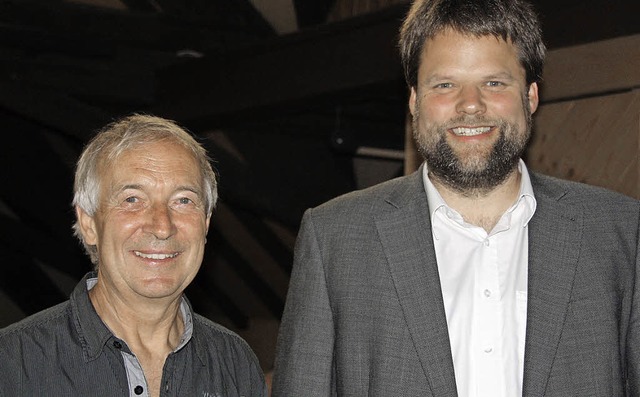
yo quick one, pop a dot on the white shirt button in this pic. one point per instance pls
(487, 293)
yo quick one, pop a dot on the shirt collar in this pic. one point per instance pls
(525, 196)
(93, 332)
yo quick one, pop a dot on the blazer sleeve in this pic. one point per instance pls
(633, 336)
(304, 353)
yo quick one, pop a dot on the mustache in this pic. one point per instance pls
(153, 244)
(472, 121)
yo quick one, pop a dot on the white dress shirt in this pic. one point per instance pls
(484, 286)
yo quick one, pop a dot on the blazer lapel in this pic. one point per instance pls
(554, 246)
(404, 228)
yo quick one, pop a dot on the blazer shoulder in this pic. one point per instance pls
(565, 189)
(394, 192)
(594, 200)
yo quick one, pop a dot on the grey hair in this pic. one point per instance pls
(124, 134)
(512, 20)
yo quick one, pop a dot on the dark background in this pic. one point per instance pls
(283, 115)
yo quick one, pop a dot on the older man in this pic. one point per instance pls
(473, 276)
(144, 195)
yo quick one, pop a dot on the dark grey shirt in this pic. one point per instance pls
(67, 350)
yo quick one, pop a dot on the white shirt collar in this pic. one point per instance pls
(525, 196)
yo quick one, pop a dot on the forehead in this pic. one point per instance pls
(453, 50)
(166, 160)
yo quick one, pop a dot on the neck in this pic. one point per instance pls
(482, 208)
(143, 325)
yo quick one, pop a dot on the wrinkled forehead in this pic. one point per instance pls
(112, 153)
(160, 159)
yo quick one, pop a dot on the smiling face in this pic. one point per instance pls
(471, 110)
(151, 224)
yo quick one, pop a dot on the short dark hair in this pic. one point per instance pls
(510, 20)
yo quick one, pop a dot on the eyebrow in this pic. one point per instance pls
(192, 189)
(501, 75)
(444, 77)
(136, 186)
(131, 186)
(436, 77)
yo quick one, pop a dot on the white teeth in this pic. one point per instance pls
(155, 256)
(463, 131)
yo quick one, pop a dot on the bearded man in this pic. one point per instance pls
(473, 276)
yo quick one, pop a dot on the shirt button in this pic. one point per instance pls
(487, 293)
(488, 349)
(486, 242)
(138, 390)
(117, 344)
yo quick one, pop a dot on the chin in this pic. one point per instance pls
(159, 287)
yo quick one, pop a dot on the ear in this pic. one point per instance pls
(87, 225)
(532, 95)
(413, 99)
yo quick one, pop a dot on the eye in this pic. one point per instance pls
(495, 84)
(131, 203)
(443, 85)
(184, 200)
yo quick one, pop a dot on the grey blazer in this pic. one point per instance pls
(365, 317)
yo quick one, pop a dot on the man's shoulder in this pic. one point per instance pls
(227, 349)
(601, 206)
(212, 333)
(41, 322)
(369, 197)
(579, 192)
(213, 328)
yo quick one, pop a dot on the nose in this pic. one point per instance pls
(470, 101)
(160, 222)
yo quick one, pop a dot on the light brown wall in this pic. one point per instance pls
(588, 127)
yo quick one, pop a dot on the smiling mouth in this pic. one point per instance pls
(155, 256)
(470, 131)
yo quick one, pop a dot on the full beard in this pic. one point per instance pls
(474, 172)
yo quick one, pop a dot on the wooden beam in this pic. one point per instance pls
(265, 238)
(21, 276)
(592, 69)
(348, 57)
(251, 278)
(57, 111)
(111, 82)
(573, 22)
(279, 13)
(90, 29)
(342, 57)
(30, 244)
